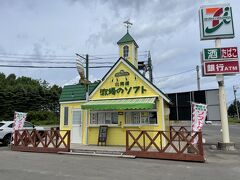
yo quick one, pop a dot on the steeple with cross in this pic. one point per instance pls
(128, 48)
(128, 24)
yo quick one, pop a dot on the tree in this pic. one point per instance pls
(232, 110)
(25, 94)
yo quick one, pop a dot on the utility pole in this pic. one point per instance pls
(225, 144)
(150, 67)
(87, 95)
(86, 83)
(198, 78)
(235, 99)
(222, 102)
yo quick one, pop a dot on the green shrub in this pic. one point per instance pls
(43, 118)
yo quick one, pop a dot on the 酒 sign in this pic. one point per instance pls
(220, 53)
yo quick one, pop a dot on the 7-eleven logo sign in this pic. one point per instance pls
(216, 22)
(220, 16)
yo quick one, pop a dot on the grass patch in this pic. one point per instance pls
(233, 120)
(44, 122)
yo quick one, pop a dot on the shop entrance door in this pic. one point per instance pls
(76, 132)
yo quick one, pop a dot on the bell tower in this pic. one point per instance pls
(128, 48)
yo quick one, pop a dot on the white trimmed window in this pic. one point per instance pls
(103, 117)
(141, 117)
(76, 117)
(65, 116)
(125, 51)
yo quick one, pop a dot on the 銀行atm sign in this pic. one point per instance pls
(225, 53)
(220, 67)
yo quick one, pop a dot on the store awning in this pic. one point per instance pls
(117, 104)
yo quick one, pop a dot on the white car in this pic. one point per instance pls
(6, 128)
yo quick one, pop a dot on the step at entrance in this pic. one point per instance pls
(98, 153)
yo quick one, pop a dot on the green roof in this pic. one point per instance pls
(76, 92)
(127, 38)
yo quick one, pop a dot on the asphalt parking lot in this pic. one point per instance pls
(37, 166)
(213, 134)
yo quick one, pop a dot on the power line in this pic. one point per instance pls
(57, 59)
(174, 74)
(42, 61)
(32, 58)
(48, 59)
(33, 55)
(98, 56)
(11, 58)
(95, 57)
(52, 62)
(52, 67)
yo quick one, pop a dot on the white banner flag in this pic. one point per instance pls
(199, 114)
(19, 119)
(80, 68)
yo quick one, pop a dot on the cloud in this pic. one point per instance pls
(115, 5)
(170, 55)
(22, 36)
(155, 18)
(21, 5)
(2, 50)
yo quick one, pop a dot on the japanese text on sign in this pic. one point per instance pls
(199, 114)
(221, 67)
(220, 53)
(19, 119)
(122, 90)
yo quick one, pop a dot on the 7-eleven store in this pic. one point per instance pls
(123, 100)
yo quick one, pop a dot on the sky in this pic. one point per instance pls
(43, 30)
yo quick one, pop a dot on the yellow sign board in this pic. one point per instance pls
(123, 82)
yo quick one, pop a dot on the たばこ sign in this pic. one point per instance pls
(220, 53)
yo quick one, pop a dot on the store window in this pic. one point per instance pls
(125, 51)
(65, 115)
(136, 53)
(76, 117)
(99, 117)
(141, 117)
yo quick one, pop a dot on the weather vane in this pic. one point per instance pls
(128, 24)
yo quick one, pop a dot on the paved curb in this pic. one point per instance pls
(98, 154)
(97, 151)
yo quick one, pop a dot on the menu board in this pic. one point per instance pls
(102, 136)
(93, 118)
